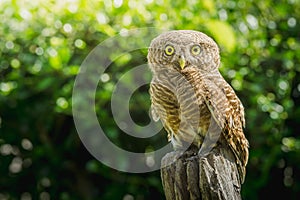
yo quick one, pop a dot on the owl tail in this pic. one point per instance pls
(211, 138)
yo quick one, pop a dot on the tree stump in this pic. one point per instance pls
(190, 176)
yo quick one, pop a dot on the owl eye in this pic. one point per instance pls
(196, 50)
(169, 50)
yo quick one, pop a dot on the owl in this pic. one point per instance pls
(195, 104)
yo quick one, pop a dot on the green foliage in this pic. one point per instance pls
(43, 43)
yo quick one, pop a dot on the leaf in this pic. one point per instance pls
(45, 83)
(209, 5)
(55, 62)
(223, 33)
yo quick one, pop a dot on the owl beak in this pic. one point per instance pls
(182, 62)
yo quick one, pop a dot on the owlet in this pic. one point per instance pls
(191, 98)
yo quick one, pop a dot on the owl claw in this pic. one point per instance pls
(202, 152)
(192, 158)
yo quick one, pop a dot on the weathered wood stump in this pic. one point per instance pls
(190, 176)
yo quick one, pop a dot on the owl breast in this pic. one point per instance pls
(183, 113)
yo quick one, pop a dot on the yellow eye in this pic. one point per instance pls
(169, 50)
(195, 50)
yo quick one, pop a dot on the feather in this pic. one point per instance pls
(154, 113)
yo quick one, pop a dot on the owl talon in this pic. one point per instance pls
(202, 153)
(192, 158)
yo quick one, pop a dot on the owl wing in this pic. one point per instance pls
(228, 112)
(233, 131)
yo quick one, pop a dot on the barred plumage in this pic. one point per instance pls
(191, 98)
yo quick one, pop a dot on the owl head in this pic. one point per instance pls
(183, 49)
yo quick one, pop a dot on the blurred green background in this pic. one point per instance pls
(43, 43)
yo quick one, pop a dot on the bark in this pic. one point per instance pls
(186, 175)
